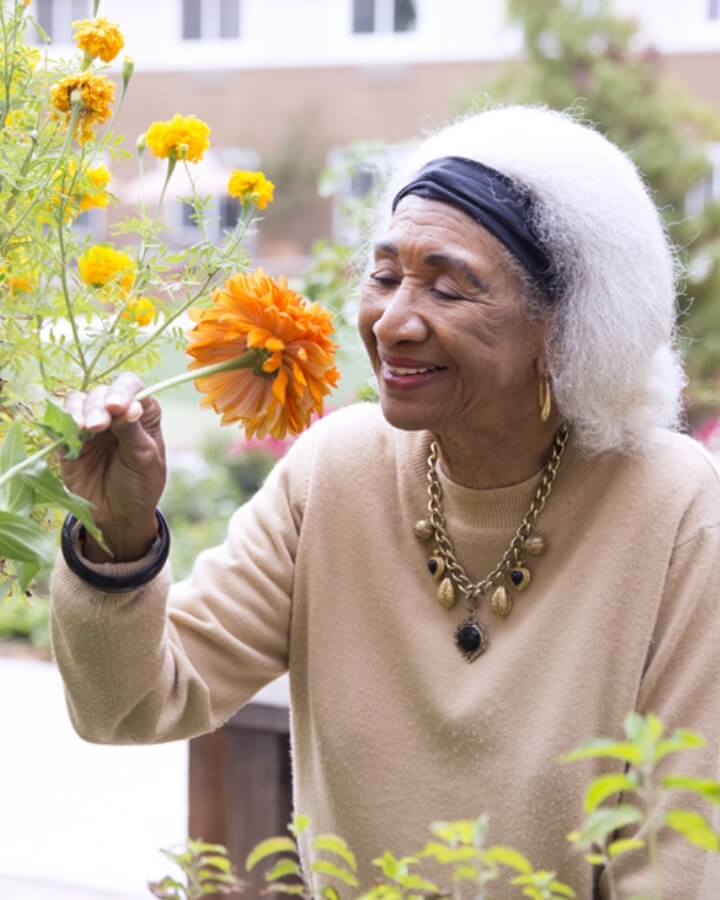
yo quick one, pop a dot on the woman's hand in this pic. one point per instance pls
(121, 469)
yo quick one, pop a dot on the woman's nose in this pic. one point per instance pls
(399, 320)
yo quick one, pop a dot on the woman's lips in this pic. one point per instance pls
(409, 375)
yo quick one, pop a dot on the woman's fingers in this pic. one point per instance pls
(121, 392)
(96, 410)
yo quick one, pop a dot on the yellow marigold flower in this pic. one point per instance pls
(140, 310)
(101, 264)
(293, 337)
(20, 284)
(97, 94)
(254, 186)
(17, 118)
(98, 37)
(100, 176)
(187, 132)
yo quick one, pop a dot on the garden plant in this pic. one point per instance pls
(641, 798)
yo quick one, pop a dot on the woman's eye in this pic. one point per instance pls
(446, 295)
(384, 280)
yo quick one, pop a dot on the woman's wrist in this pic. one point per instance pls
(96, 574)
(126, 543)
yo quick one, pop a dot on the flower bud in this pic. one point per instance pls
(141, 143)
(183, 150)
(75, 97)
(127, 71)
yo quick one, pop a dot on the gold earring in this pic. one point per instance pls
(544, 398)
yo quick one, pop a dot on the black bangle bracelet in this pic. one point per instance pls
(115, 584)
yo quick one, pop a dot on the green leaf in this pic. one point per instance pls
(14, 495)
(299, 824)
(682, 739)
(617, 848)
(334, 844)
(220, 862)
(267, 848)
(603, 822)
(24, 540)
(564, 890)
(643, 729)
(595, 859)
(601, 788)
(26, 571)
(507, 856)
(465, 873)
(388, 864)
(694, 828)
(444, 854)
(283, 867)
(60, 424)
(462, 831)
(604, 748)
(331, 893)
(325, 867)
(705, 787)
(412, 882)
(49, 488)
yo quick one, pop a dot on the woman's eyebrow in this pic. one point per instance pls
(386, 248)
(459, 265)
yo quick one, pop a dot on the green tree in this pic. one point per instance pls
(579, 55)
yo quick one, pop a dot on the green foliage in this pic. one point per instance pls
(463, 864)
(206, 869)
(580, 55)
(638, 794)
(61, 328)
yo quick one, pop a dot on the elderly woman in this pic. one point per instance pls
(503, 558)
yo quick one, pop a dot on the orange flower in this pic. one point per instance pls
(293, 365)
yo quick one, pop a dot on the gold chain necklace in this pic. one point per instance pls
(471, 636)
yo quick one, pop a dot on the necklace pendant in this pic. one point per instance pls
(520, 577)
(436, 566)
(446, 593)
(535, 545)
(423, 529)
(471, 639)
(501, 603)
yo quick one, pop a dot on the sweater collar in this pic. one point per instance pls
(502, 507)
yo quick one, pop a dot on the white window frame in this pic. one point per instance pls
(210, 22)
(384, 18)
(62, 17)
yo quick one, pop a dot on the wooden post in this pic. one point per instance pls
(240, 784)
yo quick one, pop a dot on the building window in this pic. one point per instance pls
(382, 16)
(707, 190)
(713, 9)
(55, 17)
(203, 19)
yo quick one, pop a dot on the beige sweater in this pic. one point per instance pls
(321, 574)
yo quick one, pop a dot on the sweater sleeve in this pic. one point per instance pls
(170, 661)
(681, 684)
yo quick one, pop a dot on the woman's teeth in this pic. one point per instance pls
(395, 370)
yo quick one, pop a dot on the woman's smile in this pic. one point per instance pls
(408, 374)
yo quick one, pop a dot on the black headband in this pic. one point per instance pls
(490, 198)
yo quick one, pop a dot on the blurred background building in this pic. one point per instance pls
(285, 83)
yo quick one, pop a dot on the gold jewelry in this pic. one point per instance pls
(471, 636)
(544, 398)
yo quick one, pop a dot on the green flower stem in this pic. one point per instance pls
(172, 160)
(251, 359)
(66, 290)
(29, 461)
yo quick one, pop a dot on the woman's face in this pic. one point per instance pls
(447, 330)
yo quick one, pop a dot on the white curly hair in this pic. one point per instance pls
(612, 353)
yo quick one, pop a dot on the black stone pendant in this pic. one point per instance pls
(471, 639)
